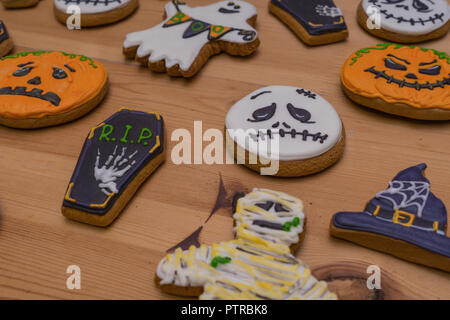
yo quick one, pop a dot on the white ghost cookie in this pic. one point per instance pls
(94, 12)
(184, 41)
(406, 21)
(284, 131)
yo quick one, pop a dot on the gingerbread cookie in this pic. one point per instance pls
(13, 4)
(406, 220)
(315, 22)
(408, 81)
(258, 264)
(188, 37)
(117, 157)
(406, 21)
(45, 88)
(6, 44)
(294, 128)
(95, 12)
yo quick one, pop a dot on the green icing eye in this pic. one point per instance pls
(219, 260)
(288, 225)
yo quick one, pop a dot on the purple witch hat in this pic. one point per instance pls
(406, 220)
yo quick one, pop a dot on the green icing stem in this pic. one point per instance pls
(288, 225)
(38, 53)
(384, 46)
(219, 260)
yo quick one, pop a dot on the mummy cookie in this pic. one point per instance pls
(315, 22)
(95, 12)
(258, 264)
(44, 88)
(188, 37)
(292, 130)
(406, 220)
(408, 81)
(6, 44)
(406, 21)
(117, 157)
(13, 4)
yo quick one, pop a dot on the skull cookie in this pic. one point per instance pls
(189, 36)
(284, 131)
(408, 81)
(44, 88)
(405, 21)
(94, 12)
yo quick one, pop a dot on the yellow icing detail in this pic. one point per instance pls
(104, 204)
(157, 144)
(69, 190)
(341, 20)
(92, 132)
(377, 210)
(315, 25)
(435, 226)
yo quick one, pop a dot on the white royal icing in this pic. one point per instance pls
(260, 264)
(411, 17)
(91, 6)
(324, 123)
(167, 43)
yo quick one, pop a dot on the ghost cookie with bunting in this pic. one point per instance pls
(405, 21)
(189, 36)
(258, 264)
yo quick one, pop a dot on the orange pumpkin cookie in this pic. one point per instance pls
(44, 88)
(409, 81)
(19, 3)
(6, 43)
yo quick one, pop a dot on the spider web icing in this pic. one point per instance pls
(411, 193)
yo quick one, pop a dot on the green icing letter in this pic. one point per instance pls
(124, 138)
(107, 129)
(145, 134)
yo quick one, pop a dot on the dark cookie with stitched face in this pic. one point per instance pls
(45, 88)
(405, 80)
(406, 220)
(6, 43)
(117, 157)
(315, 22)
(407, 21)
(292, 126)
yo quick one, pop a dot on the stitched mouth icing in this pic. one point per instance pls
(51, 97)
(388, 15)
(403, 83)
(316, 137)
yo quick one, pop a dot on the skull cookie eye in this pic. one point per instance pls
(59, 73)
(432, 71)
(420, 6)
(391, 64)
(264, 113)
(22, 71)
(299, 114)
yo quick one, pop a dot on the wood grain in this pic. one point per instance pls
(37, 243)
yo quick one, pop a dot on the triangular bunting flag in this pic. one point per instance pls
(195, 28)
(218, 31)
(180, 17)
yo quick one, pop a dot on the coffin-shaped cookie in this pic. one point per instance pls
(117, 156)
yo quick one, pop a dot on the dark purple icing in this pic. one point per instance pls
(317, 17)
(3, 32)
(124, 129)
(409, 193)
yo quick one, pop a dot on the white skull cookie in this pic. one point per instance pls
(188, 36)
(405, 20)
(93, 12)
(284, 131)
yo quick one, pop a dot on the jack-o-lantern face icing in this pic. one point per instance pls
(410, 75)
(41, 83)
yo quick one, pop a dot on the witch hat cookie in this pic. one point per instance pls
(117, 157)
(6, 44)
(258, 264)
(406, 220)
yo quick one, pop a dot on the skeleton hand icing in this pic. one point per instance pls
(413, 17)
(91, 6)
(258, 263)
(181, 36)
(302, 123)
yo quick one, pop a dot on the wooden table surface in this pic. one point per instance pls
(37, 243)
